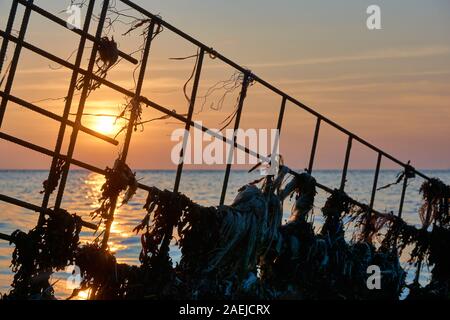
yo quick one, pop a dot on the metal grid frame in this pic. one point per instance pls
(137, 97)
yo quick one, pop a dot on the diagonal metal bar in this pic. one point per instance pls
(6, 237)
(83, 98)
(189, 119)
(50, 153)
(9, 25)
(36, 208)
(135, 111)
(242, 96)
(346, 161)
(68, 105)
(58, 118)
(14, 61)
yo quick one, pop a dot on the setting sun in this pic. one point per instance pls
(105, 125)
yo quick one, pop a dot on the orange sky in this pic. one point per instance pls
(389, 86)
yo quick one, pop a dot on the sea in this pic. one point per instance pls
(83, 190)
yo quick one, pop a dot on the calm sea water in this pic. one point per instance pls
(202, 186)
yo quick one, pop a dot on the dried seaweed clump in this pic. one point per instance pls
(108, 54)
(120, 179)
(50, 184)
(436, 198)
(221, 246)
(44, 249)
(325, 265)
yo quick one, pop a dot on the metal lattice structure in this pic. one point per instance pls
(137, 96)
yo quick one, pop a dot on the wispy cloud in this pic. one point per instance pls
(403, 53)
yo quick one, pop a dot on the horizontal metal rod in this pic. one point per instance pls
(6, 237)
(35, 208)
(50, 153)
(216, 54)
(54, 116)
(63, 23)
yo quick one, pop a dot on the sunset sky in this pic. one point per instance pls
(389, 86)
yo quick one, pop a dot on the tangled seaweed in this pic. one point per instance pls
(324, 265)
(48, 247)
(120, 179)
(108, 54)
(50, 184)
(240, 250)
(435, 207)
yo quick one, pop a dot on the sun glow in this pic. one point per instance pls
(105, 125)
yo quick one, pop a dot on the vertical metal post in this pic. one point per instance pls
(419, 263)
(281, 114)
(375, 181)
(9, 25)
(236, 127)
(83, 98)
(68, 104)
(130, 128)
(402, 198)
(372, 197)
(187, 128)
(314, 146)
(279, 125)
(14, 61)
(346, 161)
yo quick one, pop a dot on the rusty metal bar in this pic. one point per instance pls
(375, 180)
(372, 197)
(6, 237)
(35, 208)
(83, 98)
(279, 126)
(314, 146)
(346, 161)
(58, 118)
(402, 198)
(264, 83)
(63, 23)
(68, 105)
(187, 127)
(14, 61)
(135, 106)
(281, 114)
(9, 25)
(242, 96)
(47, 152)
